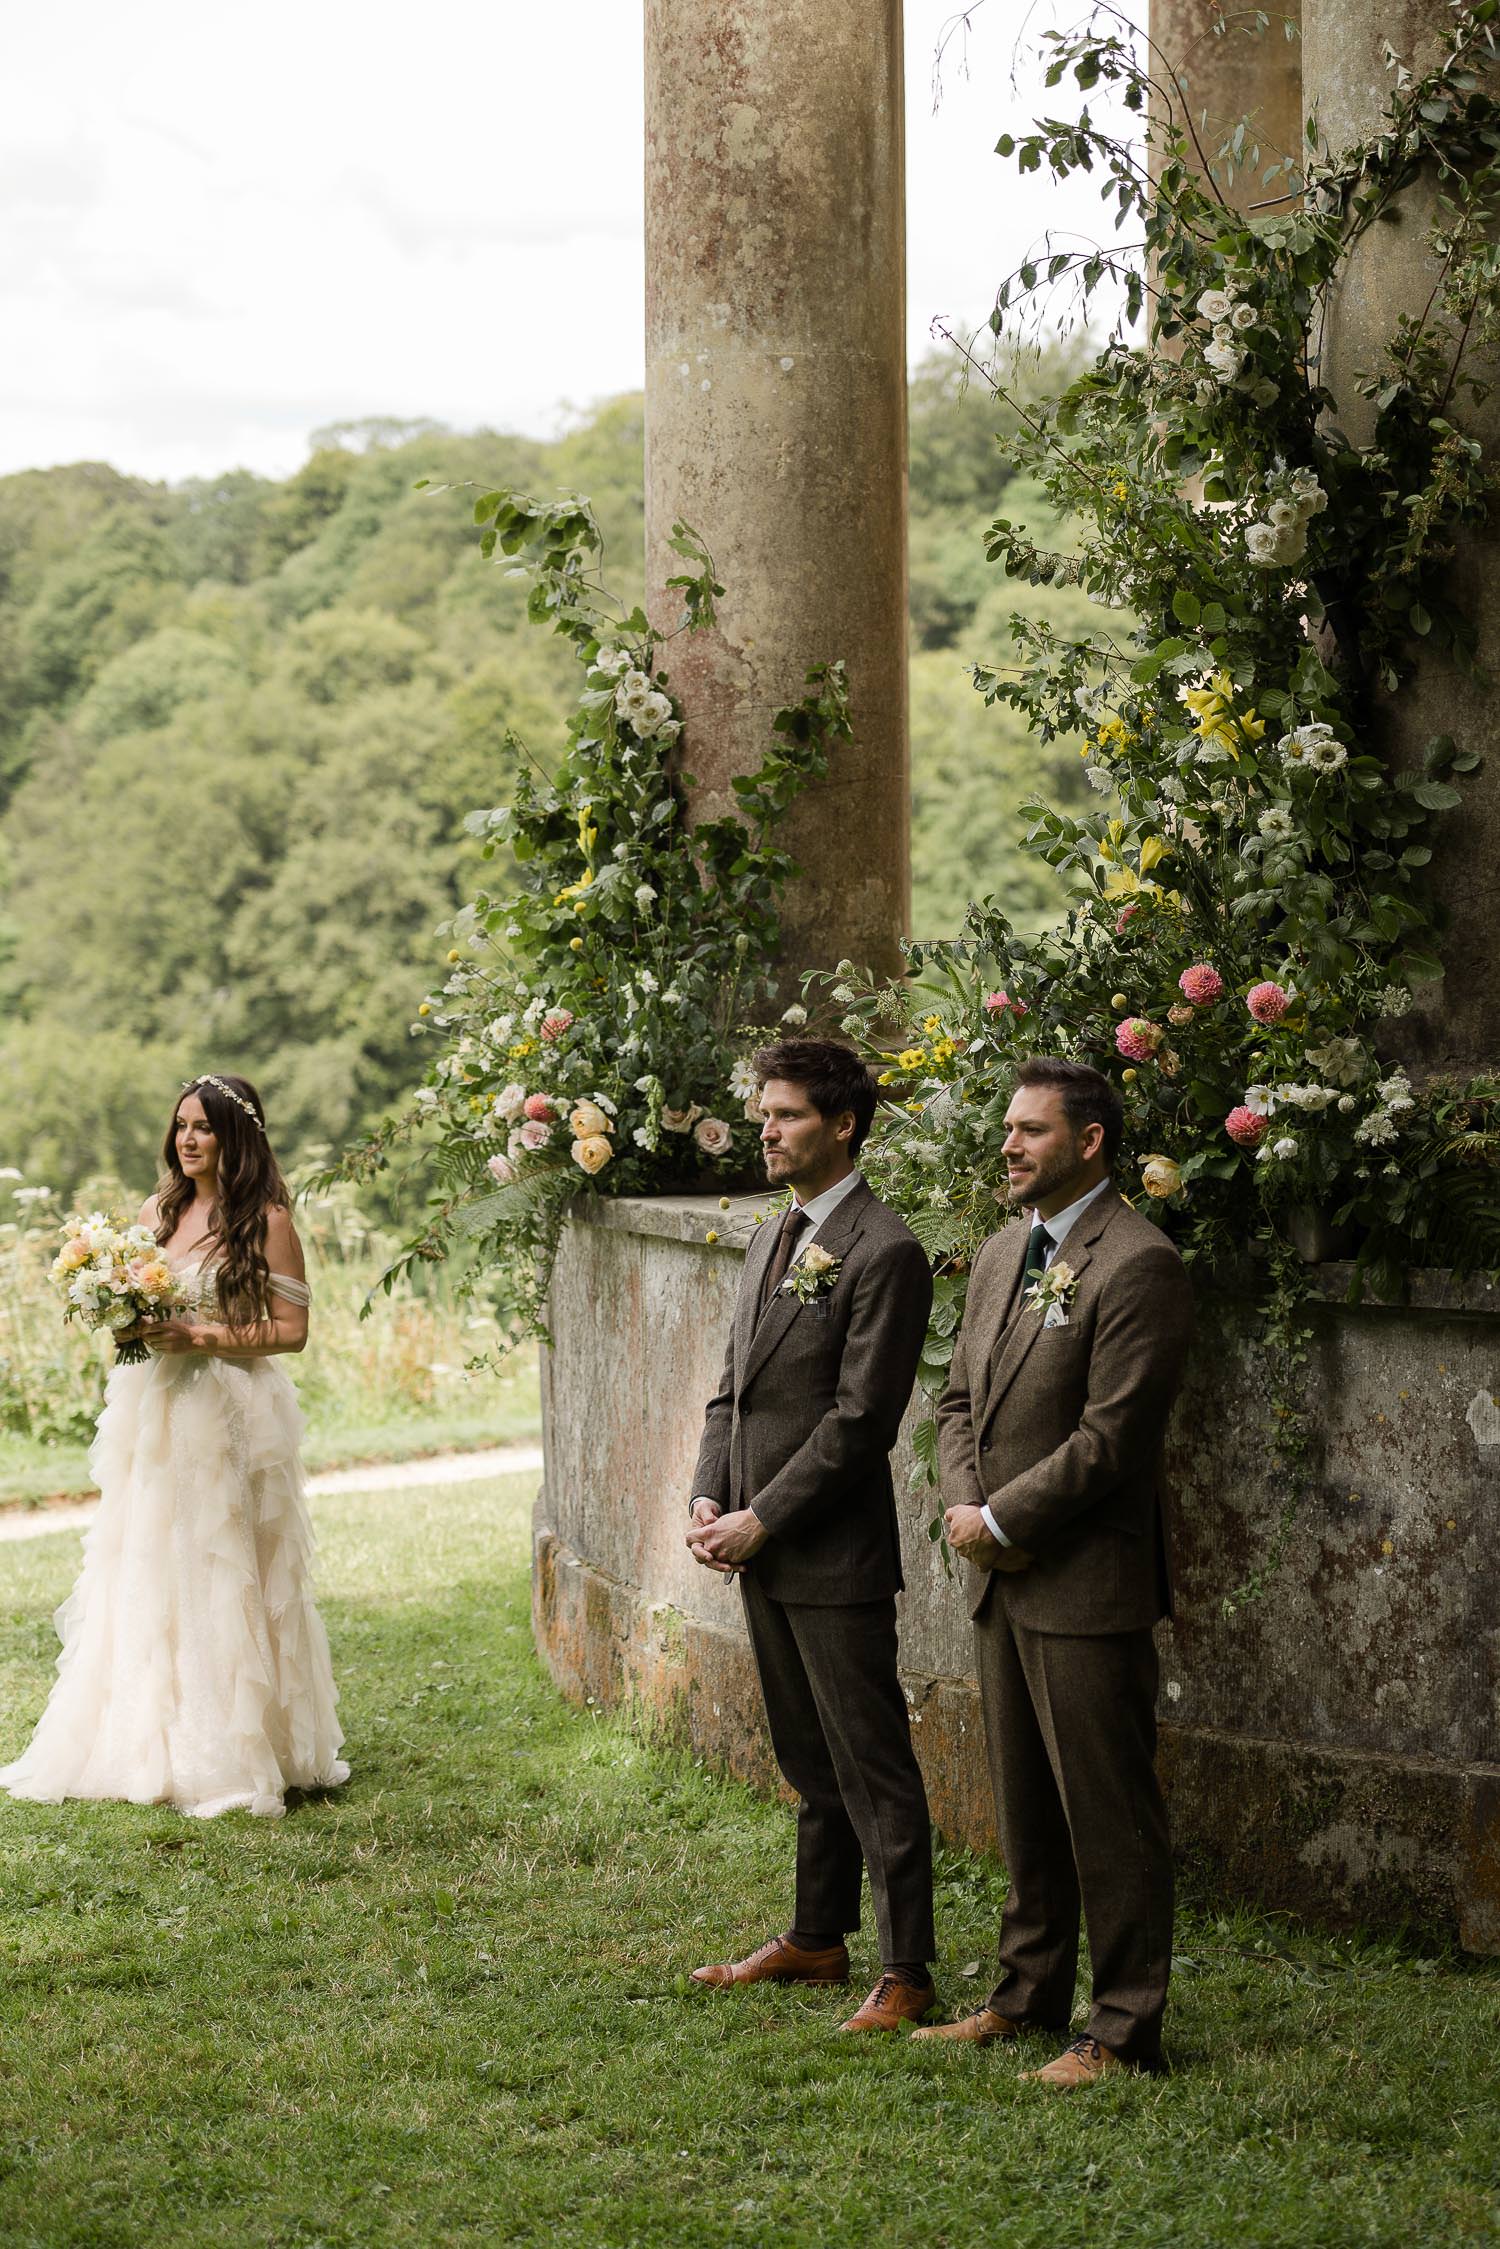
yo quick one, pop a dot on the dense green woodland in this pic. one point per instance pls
(241, 722)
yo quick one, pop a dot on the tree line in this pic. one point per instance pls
(242, 719)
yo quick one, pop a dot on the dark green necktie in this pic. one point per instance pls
(1036, 1256)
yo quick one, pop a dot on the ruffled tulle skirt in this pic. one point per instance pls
(194, 1668)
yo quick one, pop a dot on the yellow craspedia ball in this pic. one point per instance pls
(1130, 1076)
(723, 1202)
(1118, 1002)
(710, 1236)
(575, 944)
(425, 1008)
(454, 954)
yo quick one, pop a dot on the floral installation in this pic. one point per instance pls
(587, 1035)
(813, 1275)
(112, 1276)
(1254, 914)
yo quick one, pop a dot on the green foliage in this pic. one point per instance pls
(281, 701)
(1252, 899)
(589, 1024)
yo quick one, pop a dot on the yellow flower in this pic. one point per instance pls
(1161, 1177)
(1120, 488)
(592, 1152)
(575, 889)
(886, 1077)
(575, 944)
(1130, 1076)
(932, 1022)
(1118, 1002)
(911, 1058)
(711, 1235)
(425, 1008)
(588, 1122)
(521, 1049)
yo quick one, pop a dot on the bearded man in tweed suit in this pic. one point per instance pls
(1050, 1439)
(792, 1493)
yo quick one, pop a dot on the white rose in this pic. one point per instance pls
(1215, 305)
(1243, 316)
(713, 1136)
(1283, 515)
(510, 1101)
(1225, 360)
(1262, 546)
(635, 683)
(1262, 391)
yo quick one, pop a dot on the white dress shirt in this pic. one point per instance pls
(817, 1208)
(1058, 1226)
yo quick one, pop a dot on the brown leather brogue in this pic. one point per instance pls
(892, 2003)
(1082, 2063)
(981, 2028)
(778, 1960)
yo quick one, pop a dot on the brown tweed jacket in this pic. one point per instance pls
(1061, 1429)
(808, 1407)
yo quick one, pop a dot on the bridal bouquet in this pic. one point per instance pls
(112, 1276)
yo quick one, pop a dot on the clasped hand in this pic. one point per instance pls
(169, 1336)
(970, 1536)
(724, 1542)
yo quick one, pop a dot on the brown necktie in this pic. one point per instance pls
(781, 1257)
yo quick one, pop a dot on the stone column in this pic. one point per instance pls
(1457, 1024)
(776, 416)
(1212, 79)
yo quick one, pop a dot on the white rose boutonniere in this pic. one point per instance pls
(812, 1276)
(1051, 1294)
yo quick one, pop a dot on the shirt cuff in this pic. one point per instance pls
(993, 1527)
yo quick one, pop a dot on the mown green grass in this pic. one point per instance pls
(450, 2006)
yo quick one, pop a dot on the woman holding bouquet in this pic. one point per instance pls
(194, 1668)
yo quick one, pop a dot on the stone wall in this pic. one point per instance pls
(1333, 1749)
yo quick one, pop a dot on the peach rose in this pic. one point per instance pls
(713, 1136)
(593, 1152)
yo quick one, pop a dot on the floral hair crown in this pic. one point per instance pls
(206, 1077)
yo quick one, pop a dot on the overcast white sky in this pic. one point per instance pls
(228, 224)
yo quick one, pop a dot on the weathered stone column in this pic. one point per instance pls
(1212, 79)
(1392, 271)
(776, 416)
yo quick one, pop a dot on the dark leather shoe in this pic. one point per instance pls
(982, 2028)
(892, 2003)
(779, 1961)
(1082, 2063)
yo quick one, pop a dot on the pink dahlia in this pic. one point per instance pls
(554, 1025)
(1201, 984)
(1267, 1002)
(1137, 1039)
(539, 1108)
(1245, 1128)
(1122, 917)
(1001, 1003)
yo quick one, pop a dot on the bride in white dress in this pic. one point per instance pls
(194, 1668)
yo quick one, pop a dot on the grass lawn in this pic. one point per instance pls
(450, 2007)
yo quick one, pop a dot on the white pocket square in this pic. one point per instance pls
(1055, 1317)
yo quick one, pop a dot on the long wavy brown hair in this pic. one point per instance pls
(249, 1185)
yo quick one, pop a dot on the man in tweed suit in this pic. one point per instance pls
(1050, 1445)
(792, 1493)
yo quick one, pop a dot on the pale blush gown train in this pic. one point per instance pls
(194, 1668)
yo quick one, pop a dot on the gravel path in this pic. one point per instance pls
(391, 1475)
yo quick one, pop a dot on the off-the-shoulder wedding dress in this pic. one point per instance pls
(194, 1668)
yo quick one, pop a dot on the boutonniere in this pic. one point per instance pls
(1051, 1293)
(813, 1275)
